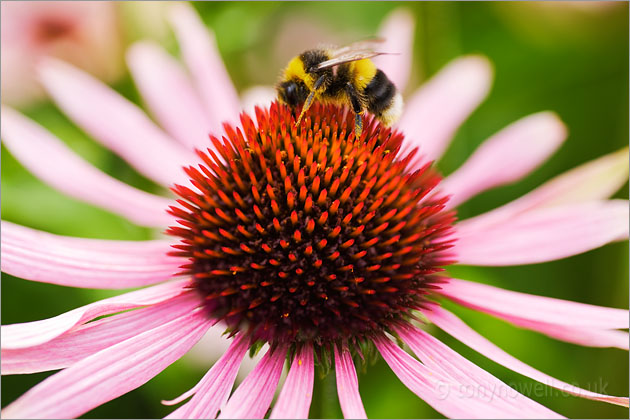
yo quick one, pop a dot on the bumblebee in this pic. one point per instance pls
(344, 76)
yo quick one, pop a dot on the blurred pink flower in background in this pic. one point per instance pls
(106, 358)
(571, 21)
(86, 34)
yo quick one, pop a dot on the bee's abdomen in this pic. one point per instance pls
(379, 93)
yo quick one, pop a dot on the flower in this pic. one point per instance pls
(320, 277)
(85, 34)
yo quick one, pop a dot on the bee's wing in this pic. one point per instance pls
(369, 44)
(353, 52)
(346, 58)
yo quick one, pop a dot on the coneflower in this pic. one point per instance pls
(322, 245)
(308, 234)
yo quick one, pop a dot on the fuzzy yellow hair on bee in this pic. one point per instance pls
(344, 76)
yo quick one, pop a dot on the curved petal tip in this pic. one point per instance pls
(398, 31)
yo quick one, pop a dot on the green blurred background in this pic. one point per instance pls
(569, 58)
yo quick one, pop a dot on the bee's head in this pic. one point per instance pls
(292, 93)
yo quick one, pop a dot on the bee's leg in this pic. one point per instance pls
(358, 126)
(357, 108)
(309, 99)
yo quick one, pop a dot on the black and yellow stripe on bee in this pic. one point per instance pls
(356, 83)
(380, 95)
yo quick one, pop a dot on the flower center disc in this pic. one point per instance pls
(308, 234)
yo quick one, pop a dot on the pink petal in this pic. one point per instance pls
(502, 303)
(398, 31)
(54, 163)
(437, 356)
(458, 329)
(214, 388)
(214, 344)
(201, 55)
(115, 122)
(348, 386)
(93, 263)
(112, 372)
(590, 337)
(434, 388)
(170, 95)
(30, 334)
(252, 398)
(17, 233)
(592, 181)
(544, 235)
(442, 104)
(182, 397)
(86, 339)
(295, 398)
(507, 156)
